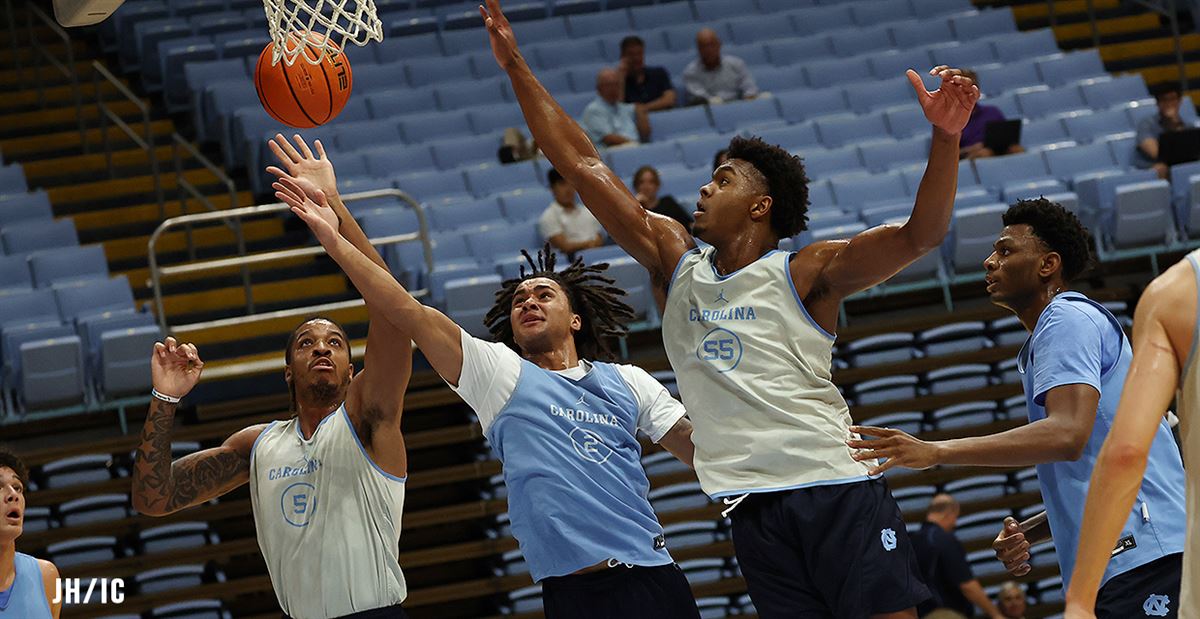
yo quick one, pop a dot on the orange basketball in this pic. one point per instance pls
(303, 94)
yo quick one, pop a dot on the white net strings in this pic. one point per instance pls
(338, 21)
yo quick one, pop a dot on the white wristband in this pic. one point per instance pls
(165, 398)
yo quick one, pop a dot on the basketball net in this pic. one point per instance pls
(328, 23)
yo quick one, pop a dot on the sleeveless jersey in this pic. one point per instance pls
(328, 519)
(754, 371)
(572, 464)
(26, 598)
(1189, 432)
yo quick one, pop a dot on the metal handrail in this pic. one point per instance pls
(1170, 10)
(68, 69)
(145, 141)
(243, 260)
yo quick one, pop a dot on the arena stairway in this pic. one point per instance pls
(1133, 38)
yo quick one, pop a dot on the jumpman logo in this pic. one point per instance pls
(721, 297)
(1157, 606)
(580, 402)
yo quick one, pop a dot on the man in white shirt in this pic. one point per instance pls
(564, 224)
(714, 78)
(564, 427)
(610, 121)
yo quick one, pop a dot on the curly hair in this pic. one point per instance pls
(9, 459)
(1059, 229)
(589, 294)
(787, 184)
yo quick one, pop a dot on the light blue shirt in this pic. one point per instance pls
(730, 81)
(1077, 341)
(572, 464)
(601, 118)
(26, 598)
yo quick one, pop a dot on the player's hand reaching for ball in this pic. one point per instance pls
(312, 171)
(900, 449)
(174, 368)
(949, 107)
(504, 43)
(314, 211)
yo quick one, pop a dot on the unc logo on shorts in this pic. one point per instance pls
(721, 348)
(590, 446)
(1157, 606)
(298, 503)
(888, 537)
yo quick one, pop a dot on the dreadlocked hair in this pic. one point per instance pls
(591, 295)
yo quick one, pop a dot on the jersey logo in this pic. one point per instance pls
(1157, 606)
(590, 446)
(298, 503)
(888, 537)
(720, 348)
(721, 297)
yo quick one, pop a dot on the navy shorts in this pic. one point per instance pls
(838, 551)
(1150, 590)
(659, 592)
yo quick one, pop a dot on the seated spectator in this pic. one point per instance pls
(566, 225)
(1150, 128)
(943, 562)
(720, 157)
(608, 121)
(971, 146)
(646, 184)
(712, 78)
(1011, 601)
(647, 85)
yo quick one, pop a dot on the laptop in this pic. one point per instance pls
(1175, 147)
(1000, 135)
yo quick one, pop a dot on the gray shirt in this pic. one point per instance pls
(731, 80)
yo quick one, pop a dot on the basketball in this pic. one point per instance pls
(304, 95)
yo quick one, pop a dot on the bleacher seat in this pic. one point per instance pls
(52, 372)
(700, 571)
(124, 367)
(175, 536)
(964, 415)
(690, 534)
(14, 274)
(906, 121)
(975, 229)
(1070, 68)
(958, 378)
(822, 19)
(824, 73)
(662, 463)
(83, 551)
(977, 488)
(1143, 214)
(983, 525)
(92, 509)
(1025, 45)
(913, 498)
(822, 163)
(804, 104)
(885, 389)
(855, 41)
(671, 124)
(686, 495)
(191, 609)
(740, 114)
(68, 264)
(93, 296)
(959, 337)
(162, 579)
(784, 52)
(494, 179)
(76, 470)
(31, 235)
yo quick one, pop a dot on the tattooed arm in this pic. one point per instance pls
(160, 486)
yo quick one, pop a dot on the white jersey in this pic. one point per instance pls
(754, 372)
(1189, 434)
(328, 519)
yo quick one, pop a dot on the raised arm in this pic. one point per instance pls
(436, 335)
(856, 265)
(160, 486)
(1162, 336)
(655, 241)
(376, 396)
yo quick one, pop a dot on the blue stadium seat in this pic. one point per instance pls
(22, 207)
(567, 53)
(245, 43)
(753, 53)
(646, 17)
(698, 150)
(1069, 163)
(677, 37)
(791, 137)
(465, 151)
(825, 73)
(838, 131)
(804, 104)
(717, 10)
(988, 23)
(604, 23)
(894, 64)
(489, 180)
(68, 264)
(624, 161)
(822, 19)
(434, 125)
(878, 349)
(1027, 44)
(1143, 214)
(503, 243)
(879, 94)
(77, 470)
(958, 378)
(433, 70)
(429, 186)
(52, 375)
(977, 488)
(965, 415)
(855, 41)
(737, 115)
(31, 235)
(398, 158)
(405, 48)
(1007, 76)
(147, 33)
(918, 32)
(691, 533)
(212, 23)
(574, 7)
(885, 389)
(389, 104)
(1106, 93)
(469, 300)
(906, 121)
(14, 274)
(124, 367)
(1039, 103)
(1097, 125)
(159, 580)
(176, 536)
(881, 11)
(1185, 196)
(198, 74)
(78, 299)
(784, 52)
(913, 499)
(975, 229)
(460, 215)
(957, 337)
(880, 156)
(1071, 68)
(979, 526)
(191, 609)
(525, 204)
(670, 124)
(820, 163)
(677, 497)
(856, 192)
(83, 551)
(999, 171)
(966, 54)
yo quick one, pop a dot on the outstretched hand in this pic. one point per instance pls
(900, 449)
(302, 164)
(949, 107)
(504, 42)
(175, 368)
(314, 211)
